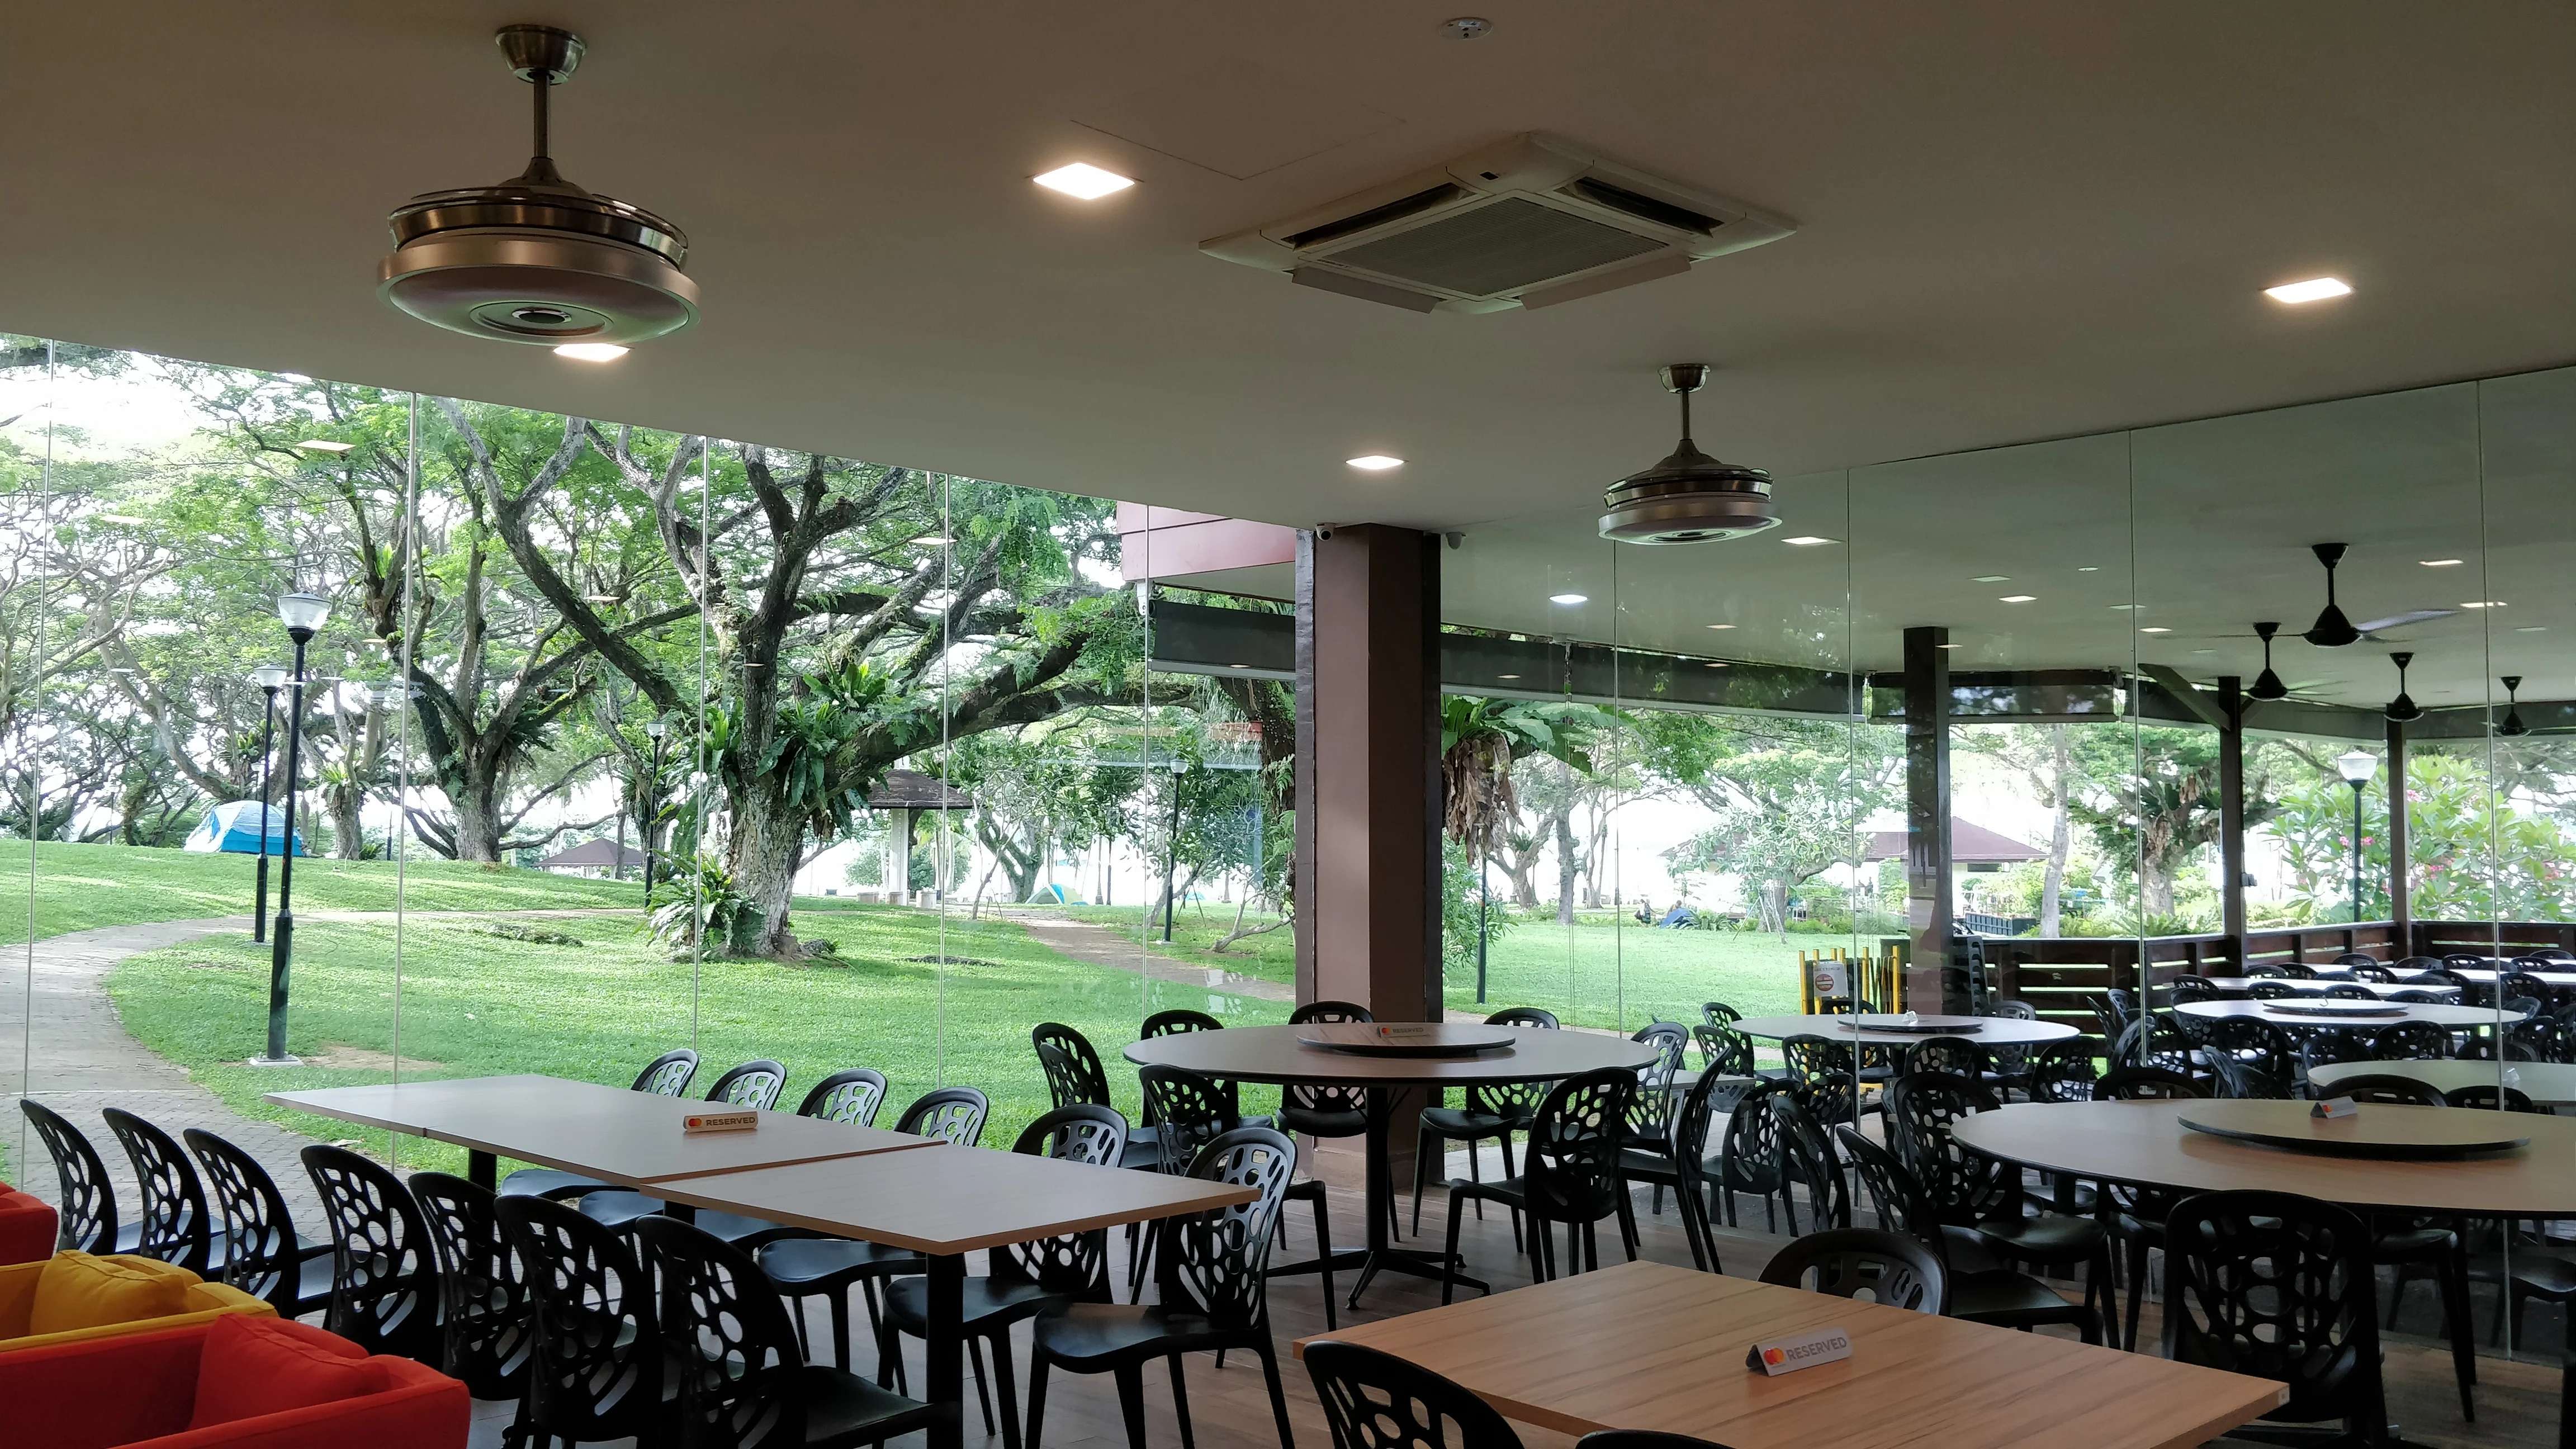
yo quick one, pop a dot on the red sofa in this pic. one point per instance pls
(141, 1390)
(27, 1227)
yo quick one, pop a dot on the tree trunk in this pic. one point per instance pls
(1562, 823)
(1774, 907)
(348, 835)
(2060, 838)
(478, 820)
(762, 854)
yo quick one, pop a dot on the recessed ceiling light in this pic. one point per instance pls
(1567, 598)
(591, 351)
(2439, 563)
(933, 540)
(1375, 462)
(1084, 181)
(2089, 569)
(2532, 629)
(1991, 579)
(2483, 604)
(2120, 608)
(1946, 646)
(1805, 540)
(2155, 629)
(324, 445)
(1717, 664)
(2314, 289)
(1507, 676)
(1721, 626)
(2016, 598)
(1238, 666)
(2204, 651)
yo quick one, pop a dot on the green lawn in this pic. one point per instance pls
(81, 886)
(476, 1004)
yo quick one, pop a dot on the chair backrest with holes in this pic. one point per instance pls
(1215, 1260)
(483, 1297)
(850, 1097)
(1074, 1073)
(175, 1225)
(954, 1115)
(2144, 1044)
(2145, 1084)
(1189, 1110)
(87, 1206)
(668, 1074)
(2350, 991)
(1649, 1111)
(2271, 991)
(754, 1084)
(2410, 1041)
(251, 1221)
(1807, 1160)
(1955, 1055)
(1718, 1013)
(1963, 1187)
(2232, 1077)
(2485, 1096)
(2386, 1089)
(1302, 1100)
(1870, 1265)
(2371, 971)
(1570, 1168)
(727, 1335)
(1537, 1016)
(1180, 1019)
(2063, 1070)
(384, 1273)
(2321, 1048)
(1751, 1144)
(1375, 1400)
(1075, 1264)
(597, 1362)
(1725, 1049)
(2255, 1043)
(2277, 1286)
(1893, 1193)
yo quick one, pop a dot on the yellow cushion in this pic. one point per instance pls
(77, 1290)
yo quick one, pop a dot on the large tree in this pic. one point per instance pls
(1787, 797)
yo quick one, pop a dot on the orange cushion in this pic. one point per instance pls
(255, 1366)
(77, 1290)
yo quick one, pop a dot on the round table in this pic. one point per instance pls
(2454, 1017)
(1273, 1054)
(2143, 1143)
(1991, 1030)
(2547, 1084)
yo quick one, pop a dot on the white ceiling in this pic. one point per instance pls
(2017, 221)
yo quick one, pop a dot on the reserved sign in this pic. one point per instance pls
(735, 1120)
(2336, 1107)
(1803, 1350)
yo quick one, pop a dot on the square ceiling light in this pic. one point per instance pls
(1083, 181)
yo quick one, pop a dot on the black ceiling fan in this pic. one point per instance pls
(2403, 708)
(2267, 685)
(2333, 630)
(2513, 724)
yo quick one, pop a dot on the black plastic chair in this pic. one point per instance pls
(754, 1084)
(2252, 1042)
(1494, 1111)
(2144, 1084)
(850, 1096)
(1650, 1112)
(1718, 1013)
(1374, 1400)
(86, 1207)
(384, 1271)
(1321, 1112)
(828, 1268)
(1075, 1076)
(2063, 1070)
(1681, 1166)
(1176, 1020)
(667, 1075)
(2278, 1286)
(1748, 1155)
(1191, 1110)
(2410, 1041)
(1214, 1294)
(1870, 1265)
(1976, 1289)
(1027, 1278)
(2487, 1097)
(597, 1367)
(743, 1381)
(2143, 1043)
(2272, 991)
(1570, 1174)
(1955, 1055)
(175, 1226)
(1807, 1161)
(262, 1254)
(2385, 1088)
(483, 1297)
(2234, 1079)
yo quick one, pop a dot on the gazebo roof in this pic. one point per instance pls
(1970, 844)
(602, 852)
(913, 790)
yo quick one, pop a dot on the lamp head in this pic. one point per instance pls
(270, 677)
(657, 727)
(2356, 766)
(302, 613)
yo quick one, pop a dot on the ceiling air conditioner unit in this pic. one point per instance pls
(1533, 221)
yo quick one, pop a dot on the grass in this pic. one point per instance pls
(78, 887)
(474, 1004)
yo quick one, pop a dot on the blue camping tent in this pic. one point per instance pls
(235, 825)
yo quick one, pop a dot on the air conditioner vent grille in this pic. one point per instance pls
(1620, 198)
(1440, 195)
(1496, 248)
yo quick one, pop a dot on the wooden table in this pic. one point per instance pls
(1652, 1346)
(1274, 1054)
(2143, 1143)
(1992, 1031)
(2457, 1018)
(2547, 1084)
(610, 1133)
(889, 1187)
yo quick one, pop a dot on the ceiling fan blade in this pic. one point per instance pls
(2398, 621)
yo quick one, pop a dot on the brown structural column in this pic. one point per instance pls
(1368, 778)
(2400, 910)
(2231, 813)
(1927, 821)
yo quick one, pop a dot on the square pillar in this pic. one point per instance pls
(1928, 869)
(1368, 776)
(2231, 813)
(2401, 911)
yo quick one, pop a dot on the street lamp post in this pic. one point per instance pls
(1172, 846)
(270, 678)
(302, 613)
(656, 729)
(2356, 768)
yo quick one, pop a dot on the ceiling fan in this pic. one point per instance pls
(2403, 708)
(2268, 685)
(2333, 630)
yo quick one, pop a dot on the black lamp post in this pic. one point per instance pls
(2356, 768)
(1172, 846)
(302, 613)
(270, 678)
(657, 729)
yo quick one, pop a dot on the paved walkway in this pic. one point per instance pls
(1100, 946)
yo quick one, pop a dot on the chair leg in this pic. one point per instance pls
(2137, 1286)
(1131, 1403)
(1004, 1390)
(1503, 1145)
(2454, 1276)
(1278, 1398)
(1449, 1272)
(1627, 1223)
(1476, 1174)
(1037, 1398)
(1323, 1268)
(839, 1303)
(983, 1397)
(1422, 1142)
(1181, 1402)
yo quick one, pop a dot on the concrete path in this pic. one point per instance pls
(1100, 946)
